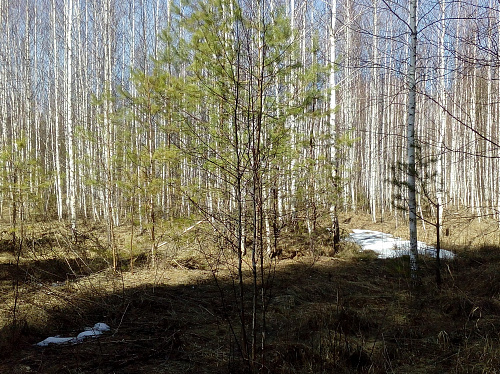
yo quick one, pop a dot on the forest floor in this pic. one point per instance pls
(343, 313)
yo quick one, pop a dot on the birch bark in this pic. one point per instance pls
(333, 124)
(57, 151)
(412, 94)
(441, 136)
(71, 192)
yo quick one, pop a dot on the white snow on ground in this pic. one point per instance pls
(55, 340)
(387, 246)
(92, 332)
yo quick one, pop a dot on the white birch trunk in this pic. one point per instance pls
(489, 170)
(3, 89)
(69, 113)
(441, 120)
(412, 201)
(374, 87)
(333, 124)
(472, 169)
(498, 113)
(58, 184)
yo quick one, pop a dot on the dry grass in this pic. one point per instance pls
(342, 314)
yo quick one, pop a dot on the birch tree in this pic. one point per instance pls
(55, 115)
(411, 144)
(333, 120)
(71, 169)
(441, 137)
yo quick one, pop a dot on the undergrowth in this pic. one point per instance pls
(345, 312)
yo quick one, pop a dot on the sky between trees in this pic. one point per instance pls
(92, 112)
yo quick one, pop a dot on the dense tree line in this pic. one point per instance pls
(112, 110)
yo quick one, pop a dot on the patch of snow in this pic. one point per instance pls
(387, 246)
(101, 326)
(92, 332)
(54, 340)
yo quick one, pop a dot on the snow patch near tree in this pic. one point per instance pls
(387, 246)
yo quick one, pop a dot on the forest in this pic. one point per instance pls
(188, 172)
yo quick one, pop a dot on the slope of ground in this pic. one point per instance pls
(343, 314)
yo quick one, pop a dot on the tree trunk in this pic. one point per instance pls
(69, 115)
(412, 201)
(333, 128)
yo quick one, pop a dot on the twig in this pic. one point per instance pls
(192, 227)
(449, 271)
(179, 265)
(121, 319)
(185, 231)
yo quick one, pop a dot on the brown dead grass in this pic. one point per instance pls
(342, 314)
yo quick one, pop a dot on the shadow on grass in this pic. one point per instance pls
(328, 316)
